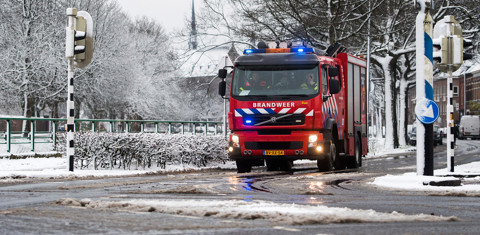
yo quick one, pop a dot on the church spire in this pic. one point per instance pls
(193, 33)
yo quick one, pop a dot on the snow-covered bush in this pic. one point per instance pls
(144, 150)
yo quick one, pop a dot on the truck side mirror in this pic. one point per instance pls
(333, 71)
(334, 85)
(222, 87)
(222, 73)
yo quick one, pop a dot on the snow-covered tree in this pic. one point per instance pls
(131, 74)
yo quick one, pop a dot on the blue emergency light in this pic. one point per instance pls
(302, 50)
(248, 121)
(251, 51)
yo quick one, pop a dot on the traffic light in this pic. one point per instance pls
(79, 40)
(447, 44)
(440, 52)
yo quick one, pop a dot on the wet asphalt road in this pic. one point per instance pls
(30, 206)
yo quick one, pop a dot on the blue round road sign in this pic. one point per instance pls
(427, 111)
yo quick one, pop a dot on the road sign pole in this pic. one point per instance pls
(424, 83)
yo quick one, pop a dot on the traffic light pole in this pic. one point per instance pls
(450, 124)
(70, 118)
(71, 13)
(449, 57)
(79, 53)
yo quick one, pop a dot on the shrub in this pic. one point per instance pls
(127, 150)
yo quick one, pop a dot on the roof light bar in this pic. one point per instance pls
(279, 50)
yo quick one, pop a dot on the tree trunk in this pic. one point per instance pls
(402, 129)
(389, 104)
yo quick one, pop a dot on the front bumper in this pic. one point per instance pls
(293, 146)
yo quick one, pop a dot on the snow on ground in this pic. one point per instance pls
(57, 168)
(282, 213)
(411, 181)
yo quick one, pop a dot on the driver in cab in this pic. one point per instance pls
(309, 82)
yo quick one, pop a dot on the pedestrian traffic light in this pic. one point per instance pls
(79, 40)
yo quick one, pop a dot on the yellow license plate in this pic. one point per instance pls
(273, 152)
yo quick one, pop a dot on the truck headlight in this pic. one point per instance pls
(312, 140)
(236, 141)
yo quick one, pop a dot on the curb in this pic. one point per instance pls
(448, 182)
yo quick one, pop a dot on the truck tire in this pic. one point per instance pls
(358, 154)
(272, 165)
(339, 161)
(356, 160)
(326, 164)
(243, 166)
(286, 165)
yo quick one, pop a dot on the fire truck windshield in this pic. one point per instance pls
(275, 82)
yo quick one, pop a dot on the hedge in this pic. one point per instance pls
(144, 150)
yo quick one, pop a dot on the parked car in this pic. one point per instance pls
(412, 136)
(443, 131)
(437, 137)
(469, 127)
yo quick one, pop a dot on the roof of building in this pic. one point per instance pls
(207, 62)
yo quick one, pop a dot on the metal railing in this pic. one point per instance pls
(9, 137)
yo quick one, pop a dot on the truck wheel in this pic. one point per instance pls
(356, 161)
(272, 165)
(286, 165)
(339, 161)
(243, 166)
(326, 164)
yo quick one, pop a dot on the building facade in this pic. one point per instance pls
(464, 83)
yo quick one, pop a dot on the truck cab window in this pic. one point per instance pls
(324, 80)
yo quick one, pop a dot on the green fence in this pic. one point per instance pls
(55, 125)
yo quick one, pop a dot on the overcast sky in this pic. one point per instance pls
(170, 14)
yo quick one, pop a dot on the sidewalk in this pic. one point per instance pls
(465, 178)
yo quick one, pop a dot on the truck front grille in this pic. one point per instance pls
(275, 119)
(274, 145)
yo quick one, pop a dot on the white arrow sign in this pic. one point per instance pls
(427, 111)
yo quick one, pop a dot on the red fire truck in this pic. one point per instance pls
(290, 103)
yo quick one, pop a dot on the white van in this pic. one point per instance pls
(469, 127)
